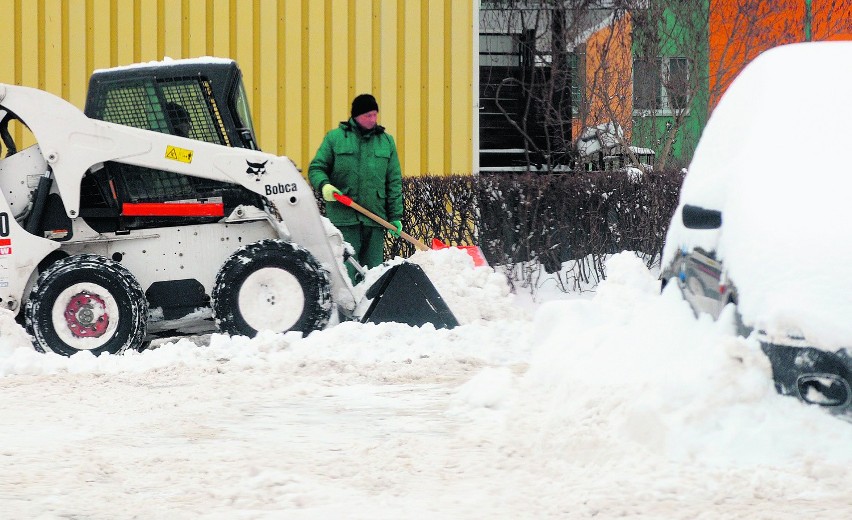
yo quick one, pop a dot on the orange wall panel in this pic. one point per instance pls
(739, 30)
(831, 20)
(608, 78)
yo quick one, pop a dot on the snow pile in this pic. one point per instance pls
(340, 349)
(636, 372)
(491, 388)
(472, 293)
(169, 61)
(12, 335)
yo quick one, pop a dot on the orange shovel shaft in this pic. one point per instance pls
(347, 201)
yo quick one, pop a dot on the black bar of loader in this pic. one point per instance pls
(404, 294)
(43, 189)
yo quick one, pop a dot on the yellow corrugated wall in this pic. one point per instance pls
(303, 61)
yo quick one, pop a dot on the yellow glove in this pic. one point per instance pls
(328, 192)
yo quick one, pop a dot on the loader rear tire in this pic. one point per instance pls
(86, 303)
(271, 285)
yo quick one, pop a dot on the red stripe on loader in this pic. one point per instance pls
(173, 209)
(5, 241)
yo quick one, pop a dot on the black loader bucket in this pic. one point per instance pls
(404, 294)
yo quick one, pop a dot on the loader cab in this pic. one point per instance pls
(210, 90)
(202, 99)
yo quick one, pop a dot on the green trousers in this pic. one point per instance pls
(368, 243)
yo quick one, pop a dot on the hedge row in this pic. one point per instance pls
(528, 222)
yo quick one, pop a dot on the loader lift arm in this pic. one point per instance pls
(5, 136)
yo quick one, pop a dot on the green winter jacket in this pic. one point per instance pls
(363, 165)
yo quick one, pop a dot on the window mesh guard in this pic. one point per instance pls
(182, 108)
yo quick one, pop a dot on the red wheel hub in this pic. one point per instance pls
(86, 315)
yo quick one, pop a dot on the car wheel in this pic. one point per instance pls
(86, 302)
(271, 285)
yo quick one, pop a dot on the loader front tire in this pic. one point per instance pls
(86, 303)
(271, 285)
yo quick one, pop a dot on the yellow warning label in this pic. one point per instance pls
(179, 154)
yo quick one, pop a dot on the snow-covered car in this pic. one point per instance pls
(763, 221)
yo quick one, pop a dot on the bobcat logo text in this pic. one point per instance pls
(281, 188)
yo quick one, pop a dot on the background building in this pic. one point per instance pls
(464, 86)
(644, 76)
(303, 61)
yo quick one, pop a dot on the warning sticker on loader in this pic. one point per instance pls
(5, 246)
(178, 154)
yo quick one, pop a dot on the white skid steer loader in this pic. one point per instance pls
(155, 207)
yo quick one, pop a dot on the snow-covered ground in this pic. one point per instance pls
(616, 404)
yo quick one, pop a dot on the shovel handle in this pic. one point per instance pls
(347, 201)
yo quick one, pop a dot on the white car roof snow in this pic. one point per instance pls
(772, 160)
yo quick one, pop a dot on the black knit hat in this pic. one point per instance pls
(362, 104)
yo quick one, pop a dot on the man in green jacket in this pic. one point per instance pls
(359, 159)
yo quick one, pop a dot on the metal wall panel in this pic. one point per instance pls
(303, 62)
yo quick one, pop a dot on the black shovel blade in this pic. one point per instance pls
(404, 294)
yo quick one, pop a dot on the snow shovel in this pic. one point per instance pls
(473, 251)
